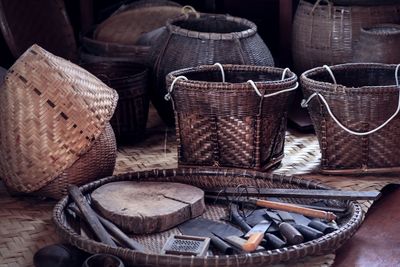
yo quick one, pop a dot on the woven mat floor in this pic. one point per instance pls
(26, 225)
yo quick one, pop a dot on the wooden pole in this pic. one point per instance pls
(90, 216)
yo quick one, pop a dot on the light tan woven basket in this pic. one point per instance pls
(52, 111)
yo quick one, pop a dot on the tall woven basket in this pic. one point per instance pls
(54, 125)
(325, 33)
(201, 39)
(231, 115)
(131, 82)
(354, 108)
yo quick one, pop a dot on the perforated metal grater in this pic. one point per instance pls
(186, 245)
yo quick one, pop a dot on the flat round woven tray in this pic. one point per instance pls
(26, 224)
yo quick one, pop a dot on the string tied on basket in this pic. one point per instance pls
(187, 10)
(253, 84)
(222, 70)
(304, 104)
(167, 97)
(329, 3)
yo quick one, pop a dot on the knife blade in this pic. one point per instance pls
(256, 235)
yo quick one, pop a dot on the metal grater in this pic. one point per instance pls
(186, 245)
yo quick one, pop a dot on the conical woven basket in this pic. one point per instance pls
(52, 111)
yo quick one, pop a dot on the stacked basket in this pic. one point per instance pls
(54, 128)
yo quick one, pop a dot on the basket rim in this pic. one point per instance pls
(136, 69)
(305, 79)
(234, 260)
(252, 28)
(369, 30)
(196, 84)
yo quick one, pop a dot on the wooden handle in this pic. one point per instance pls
(290, 234)
(90, 216)
(329, 216)
(253, 242)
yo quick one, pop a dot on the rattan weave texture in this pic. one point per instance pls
(327, 34)
(189, 41)
(52, 111)
(364, 98)
(228, 123)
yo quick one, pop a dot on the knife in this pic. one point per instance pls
(307, 232)
(256, 235)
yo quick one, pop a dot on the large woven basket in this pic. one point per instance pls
(52, 111)
(190, 41)
(126, 34)
(131, 82)
(210, 178)
(354, 108)
(379, 43)
(232, 123)
(24, 23)
(327, 34)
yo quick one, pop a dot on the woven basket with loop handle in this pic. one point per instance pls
(231, 115)
(354, 108)
(54, 115)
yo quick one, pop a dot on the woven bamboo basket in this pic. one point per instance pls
(210, 178)
(327, 34)
(128, 34)
(131, 82)
(379, 43)
(52, 113)
(202, 39)
(237, 120)
(45, 22)
(354, 108)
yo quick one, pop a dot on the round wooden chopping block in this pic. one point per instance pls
(148, 207)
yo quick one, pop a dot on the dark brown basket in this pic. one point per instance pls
(131, 82)
(24, 23)
(364, 98)
(327, 34)
(210, 178)
(229, 123)
(98, 51)
(190, 41)
(379, 43)
(127, 35)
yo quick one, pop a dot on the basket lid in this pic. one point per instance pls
(24, 23)
(126, 25)
(51, 112)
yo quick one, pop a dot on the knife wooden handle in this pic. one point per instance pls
(253, 242)
(329, 216)
(291, 235)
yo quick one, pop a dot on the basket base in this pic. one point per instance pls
(360, 171)
(275, 163)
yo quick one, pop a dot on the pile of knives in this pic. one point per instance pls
(272, 224)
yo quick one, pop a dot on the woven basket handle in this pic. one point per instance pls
(304, 104)
(187, 10)
(253, 84)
